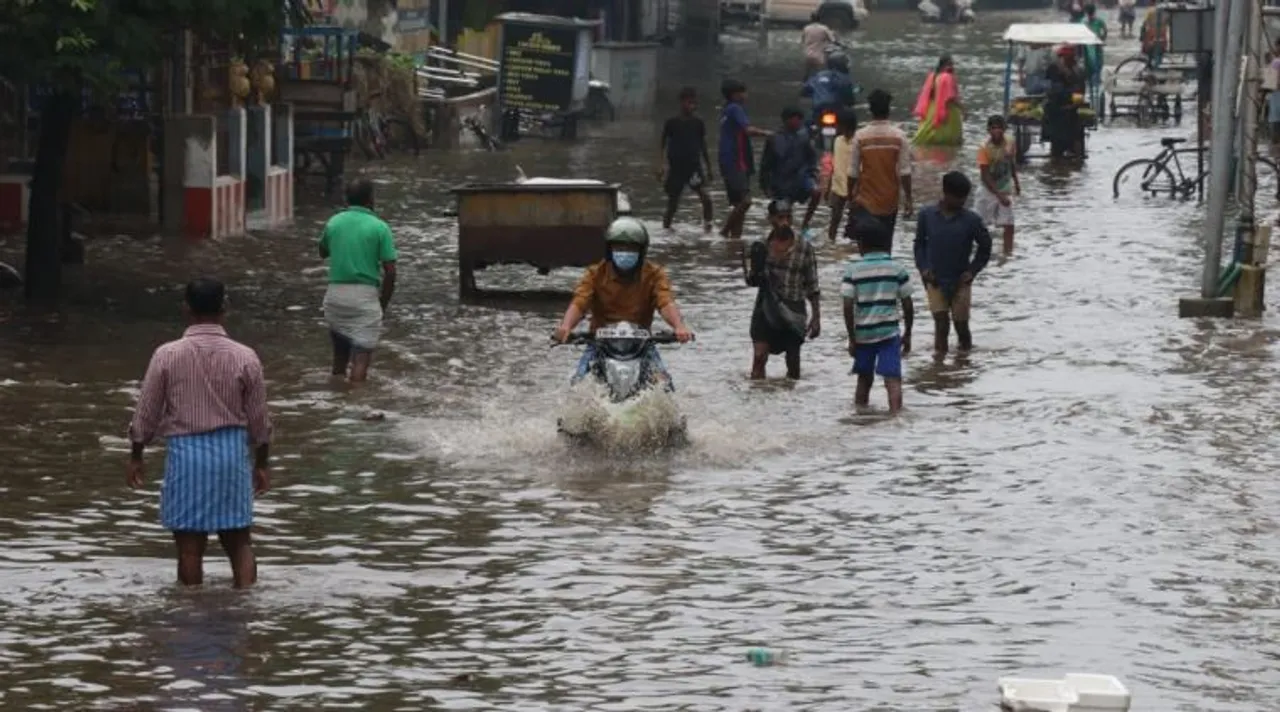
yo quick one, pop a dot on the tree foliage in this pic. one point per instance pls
(71, 45)
(74, 43)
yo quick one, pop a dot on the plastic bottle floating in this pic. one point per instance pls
(764, 657)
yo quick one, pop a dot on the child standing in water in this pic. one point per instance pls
(841, 171)
(998, 164)
(684, 163)
(878, 312)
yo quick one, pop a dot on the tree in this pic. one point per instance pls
(73, 45)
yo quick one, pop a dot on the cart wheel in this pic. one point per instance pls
(1023, 138)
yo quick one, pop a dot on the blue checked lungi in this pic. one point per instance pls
(208, 482)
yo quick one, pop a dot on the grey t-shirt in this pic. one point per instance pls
(1035, 61)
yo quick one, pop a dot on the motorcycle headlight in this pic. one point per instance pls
(621, 347)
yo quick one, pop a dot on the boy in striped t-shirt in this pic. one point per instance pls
(873, 288)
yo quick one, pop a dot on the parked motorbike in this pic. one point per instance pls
(629, 378)
(598, 105)
(951, 12)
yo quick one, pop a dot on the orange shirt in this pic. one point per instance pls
(611, 299)
(881, 157)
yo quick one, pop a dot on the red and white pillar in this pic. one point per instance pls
(279, 197)
(213, 205)
(14, 196)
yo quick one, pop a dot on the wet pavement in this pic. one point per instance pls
(1092, 490)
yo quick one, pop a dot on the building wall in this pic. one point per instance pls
(376, 17)
(415, 25)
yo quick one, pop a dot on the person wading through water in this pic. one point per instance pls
(952, 246)
(737, 160)
(789, 167)
(206, 396)
(816, 37)
(841, 170)
(784, 268)
(878, 313)
(998, 167)
(362, 277)
(880, 173)
(684, 155)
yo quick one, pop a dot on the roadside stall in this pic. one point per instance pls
(1025, 111)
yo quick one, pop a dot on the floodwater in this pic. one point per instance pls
(1092, 490)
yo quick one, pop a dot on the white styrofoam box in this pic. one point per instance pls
(1098, 693)
(1040, 695)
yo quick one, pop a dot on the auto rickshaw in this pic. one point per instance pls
(1024, 111)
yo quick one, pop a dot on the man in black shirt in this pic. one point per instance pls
(683, 157)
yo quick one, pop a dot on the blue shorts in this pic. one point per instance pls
(882, 358)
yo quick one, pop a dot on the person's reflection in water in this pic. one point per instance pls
(204, 639)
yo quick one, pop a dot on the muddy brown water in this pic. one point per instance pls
(1092, 490)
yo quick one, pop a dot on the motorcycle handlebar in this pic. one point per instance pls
(585, 338)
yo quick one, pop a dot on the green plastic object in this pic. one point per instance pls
(1227, 280)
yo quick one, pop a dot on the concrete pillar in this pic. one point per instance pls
(199, 154)
(282, 136)
(279, 194)
(257, 155)
(237, 137)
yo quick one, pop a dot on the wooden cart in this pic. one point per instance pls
(544, 225)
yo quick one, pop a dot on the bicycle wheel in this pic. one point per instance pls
(1145, 176)
(1266, 172)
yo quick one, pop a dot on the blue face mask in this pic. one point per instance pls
(626, 261)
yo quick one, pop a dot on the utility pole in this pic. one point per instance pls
(1252, 237)
(1247, 109)
(442, 24)
(1222, 141)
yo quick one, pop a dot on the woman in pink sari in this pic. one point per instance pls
(939, 109)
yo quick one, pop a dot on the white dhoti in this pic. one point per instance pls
(354, 312)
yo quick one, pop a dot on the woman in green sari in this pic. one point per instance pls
(939, 109)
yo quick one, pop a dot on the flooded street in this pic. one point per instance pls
(1092, 490)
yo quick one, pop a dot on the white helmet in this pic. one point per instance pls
(627, 231)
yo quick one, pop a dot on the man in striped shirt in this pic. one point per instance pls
(880, 168)
(873, 288)
(205, 395)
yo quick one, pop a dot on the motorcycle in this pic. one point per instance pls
(956, 12)
(599, 107)
(630, 380)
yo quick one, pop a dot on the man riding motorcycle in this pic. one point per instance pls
(832, 89)
(623, 287)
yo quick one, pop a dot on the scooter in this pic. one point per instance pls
(620, 365)
(958, 12)
(599, 107)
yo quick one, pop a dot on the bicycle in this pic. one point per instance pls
(1164, 175)
(370, 133)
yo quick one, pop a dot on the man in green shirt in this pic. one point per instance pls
(362, 277)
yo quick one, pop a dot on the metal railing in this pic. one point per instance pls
(449, 68)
